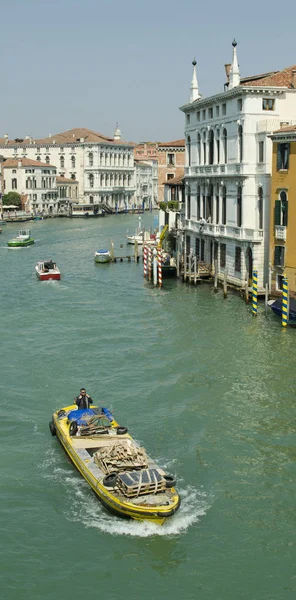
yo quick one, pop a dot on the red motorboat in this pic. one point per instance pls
(47, 270)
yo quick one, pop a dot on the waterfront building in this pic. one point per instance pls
(228, 168)
(67, 193)
(172, 209)
(171, 160)
(103, 166)
(170, 157)
(146, 184)
(35, 181)
(283, 210)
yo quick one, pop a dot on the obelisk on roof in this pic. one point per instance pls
(234, 74)
(194, 93)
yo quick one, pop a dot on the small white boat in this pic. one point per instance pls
(138, 237)
(102, 256)
(47, 270)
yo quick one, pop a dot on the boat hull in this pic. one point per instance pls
(158, 514)
(20, 244)
(101, 259)
(276, 307)
(47, 276)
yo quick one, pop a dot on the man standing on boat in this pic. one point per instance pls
(83, 400)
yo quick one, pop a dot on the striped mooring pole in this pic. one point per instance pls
(285, 302)
(159, 259)
(254, 292)
(145, 261)
(149, 262)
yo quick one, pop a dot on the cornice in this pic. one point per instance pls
(237, 91)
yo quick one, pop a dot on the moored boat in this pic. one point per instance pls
(102, 256)
(276, 307)
(126, 481)
(23, 239)
(47, 270)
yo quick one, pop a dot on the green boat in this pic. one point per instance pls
(23, 239)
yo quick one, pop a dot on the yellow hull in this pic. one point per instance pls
(119, 506)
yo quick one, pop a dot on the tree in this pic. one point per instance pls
(12, 198)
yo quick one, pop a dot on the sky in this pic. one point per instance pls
(93, 63)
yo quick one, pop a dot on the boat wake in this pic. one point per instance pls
(82, 506)
(193, 506)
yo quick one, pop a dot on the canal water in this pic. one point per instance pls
(206, 388)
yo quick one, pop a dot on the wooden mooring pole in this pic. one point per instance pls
(178, 264)
(216, 275)
(266, 297)
(247, 291)
(225, 284)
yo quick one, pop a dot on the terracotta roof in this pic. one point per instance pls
(275, 79)
(65, 180)
(73, 136)
(174, 143)
(287, 129)
(26, 162)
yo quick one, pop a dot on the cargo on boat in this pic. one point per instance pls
(124, 478)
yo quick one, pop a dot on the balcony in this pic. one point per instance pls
(225, 231)
(280, 232)
(206, 170)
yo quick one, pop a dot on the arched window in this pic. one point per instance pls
(39, 158)
(260, 207)
(239, 207)
(217, 204)
(14, 183)
(47, 160)
(90, 159)
(73, 162)
(211, 147)
(198, 213)
(209, 204)
(218, 146)
(224, 205)
(284, 207)
(91, 180)
(189, 150)
(225, 145)
(188, 203)
(240, 144)
(198, 149)
(204, 149)
(62, 162)
(91, 199)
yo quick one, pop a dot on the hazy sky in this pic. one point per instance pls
(91, 63)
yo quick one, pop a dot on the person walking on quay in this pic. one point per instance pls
(83, 400)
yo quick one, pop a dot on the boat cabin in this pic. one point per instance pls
(24, 233)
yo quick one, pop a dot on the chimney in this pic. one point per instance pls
(227, 70)
(19, 162)
(49, 135)
(294, 78)
(6, 138)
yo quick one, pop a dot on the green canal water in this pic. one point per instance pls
(206, 388)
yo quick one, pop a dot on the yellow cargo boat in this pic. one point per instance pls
(127, 482)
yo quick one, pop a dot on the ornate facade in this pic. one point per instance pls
(228, 169)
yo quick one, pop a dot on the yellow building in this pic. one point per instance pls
(283, 210)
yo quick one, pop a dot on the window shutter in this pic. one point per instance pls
(279, 158)
(285, 212)
(277, 212)
(287, 156)
(277, 254)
